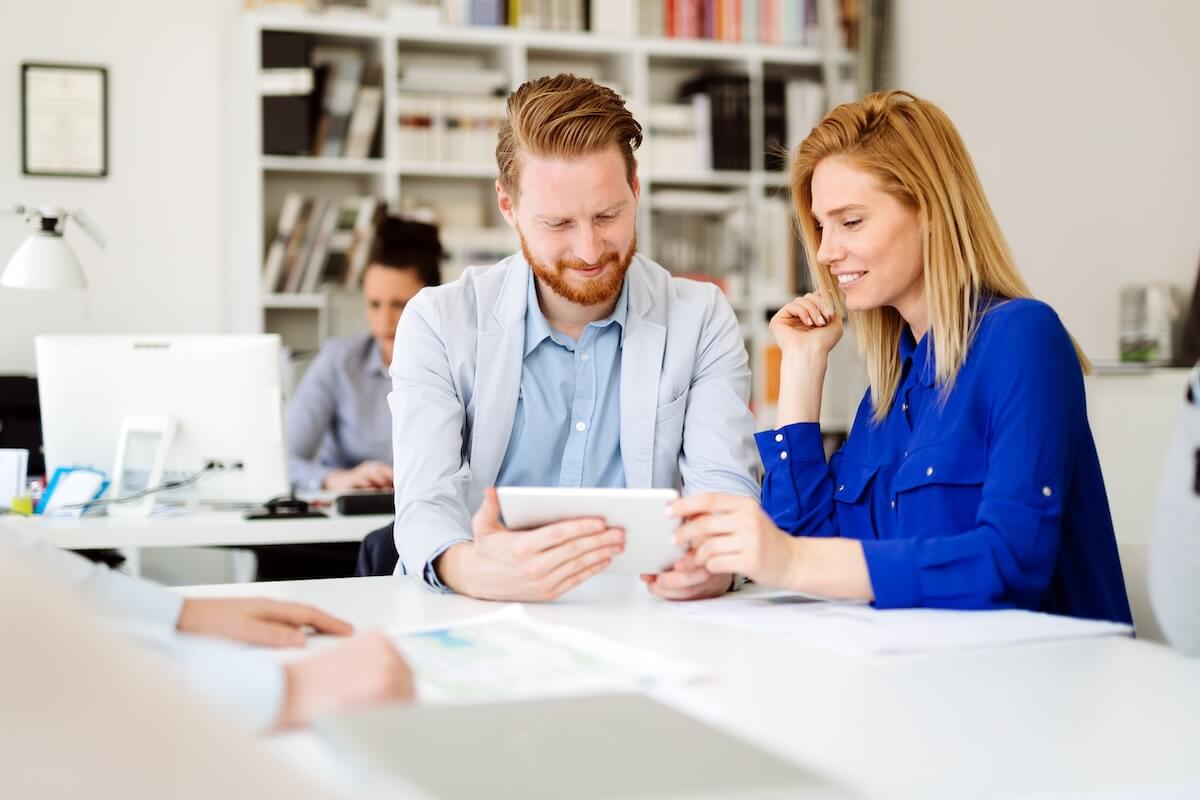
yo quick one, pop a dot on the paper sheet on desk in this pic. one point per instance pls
(506, 655)
(859, 629)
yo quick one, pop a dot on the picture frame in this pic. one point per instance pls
(64, 120)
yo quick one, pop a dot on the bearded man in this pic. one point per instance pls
(575, 363)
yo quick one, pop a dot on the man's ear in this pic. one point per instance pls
(507, 206)
(637, 184)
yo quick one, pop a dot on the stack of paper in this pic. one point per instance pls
(507, 655)
(859, 629)
(13, 466)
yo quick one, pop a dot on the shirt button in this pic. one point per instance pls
(905, 406)
(584, 357)
(906, 454)
(581, 426)
(893, 504)
(779, 437)
(1047, 491)
(842, 488)
(783, 455)
(928, 471)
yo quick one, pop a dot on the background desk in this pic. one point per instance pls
(195, 529)
(1105, 718)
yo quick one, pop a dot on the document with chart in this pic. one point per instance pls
(507, 655)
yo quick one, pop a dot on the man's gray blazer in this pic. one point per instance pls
(456, 373)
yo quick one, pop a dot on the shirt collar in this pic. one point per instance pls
(374, 365)
(537, 327)
(921, 354)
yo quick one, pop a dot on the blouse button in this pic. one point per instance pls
(928, 471)
(783, 455)
(779, 437)
(1046, 491)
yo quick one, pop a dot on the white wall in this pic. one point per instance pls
(160, 207)
(1083, 118)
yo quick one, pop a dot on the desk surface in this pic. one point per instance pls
(197, 529)
(1089, 718)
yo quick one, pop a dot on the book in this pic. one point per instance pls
(314, 269)
(295, 275)
(362, 239)
(346, 66)
(295, 242)
(364, 121)
(775, 133)
(488, 12)
(287, 121)
(273, 265)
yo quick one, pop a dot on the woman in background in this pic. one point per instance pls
(970, 478)
(339, 428)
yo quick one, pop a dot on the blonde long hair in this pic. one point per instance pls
(916, 154)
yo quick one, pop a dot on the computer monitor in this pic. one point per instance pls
(221, 395)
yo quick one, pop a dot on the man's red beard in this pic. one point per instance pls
(604, 288)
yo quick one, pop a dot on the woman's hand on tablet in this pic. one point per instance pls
(727, 533)
(687, 580)
(534, 565)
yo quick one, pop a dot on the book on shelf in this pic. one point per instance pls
(345, 65)
(362, 132)
(728, 117)
(362, 239)
(319, 242)
(293, 204)
(781, 22)
(448, 129)
(703, 235)
(318, 100)
(286, 87)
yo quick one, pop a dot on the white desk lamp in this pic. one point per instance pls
(45, 260)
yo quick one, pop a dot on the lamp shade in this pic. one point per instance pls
(44, 261)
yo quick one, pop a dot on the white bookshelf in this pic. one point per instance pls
(647, 71)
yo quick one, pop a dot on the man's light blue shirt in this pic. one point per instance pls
(567, 429)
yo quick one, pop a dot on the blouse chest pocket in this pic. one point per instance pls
(853, 500)
(938, 488)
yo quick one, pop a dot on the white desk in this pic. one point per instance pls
(195, 529)
(1101, 718)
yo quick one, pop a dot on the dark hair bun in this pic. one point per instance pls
(406, 243)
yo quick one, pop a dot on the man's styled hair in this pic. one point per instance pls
(563, 116)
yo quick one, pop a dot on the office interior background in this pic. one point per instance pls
(1081, 116)
(1083, 120)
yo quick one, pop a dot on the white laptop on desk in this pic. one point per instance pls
(623, 746)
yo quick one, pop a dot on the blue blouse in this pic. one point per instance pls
(988, 497)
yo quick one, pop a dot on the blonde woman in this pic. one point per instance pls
(970, 478)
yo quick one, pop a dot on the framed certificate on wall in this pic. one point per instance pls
(64, 120)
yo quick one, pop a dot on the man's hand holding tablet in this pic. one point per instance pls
(534, 543)
(533, 564)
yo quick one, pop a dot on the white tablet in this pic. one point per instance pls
(640, 512)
